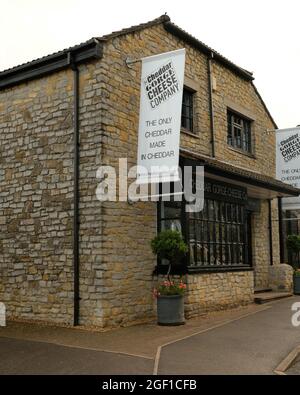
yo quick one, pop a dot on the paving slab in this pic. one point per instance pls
(19, 357)
(248, 340)
(255, 344)
(294, 370)
(265, 297)
(138, 340)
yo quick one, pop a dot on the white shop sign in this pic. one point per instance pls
(288, 162)
(160, 117)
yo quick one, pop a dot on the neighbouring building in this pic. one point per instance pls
(66, 257)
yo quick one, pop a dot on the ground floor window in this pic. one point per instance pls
(291, 226)
(219, 236)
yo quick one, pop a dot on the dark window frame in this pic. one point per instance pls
(219, 236)
(187, 111)
(239, 131)
(180, 268)
(217, 247)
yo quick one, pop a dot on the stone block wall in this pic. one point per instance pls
(281, 278)
(261, 246)
(36, 175)
(261, 243)
(275, 232)
(120, 127)
(36, 211)
(217, 291)
(239, 95)
(36, 199)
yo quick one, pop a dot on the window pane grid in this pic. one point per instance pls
(217, 237)
(239, 132)
(187, 110)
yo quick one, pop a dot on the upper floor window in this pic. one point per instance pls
(187, 114)
(239, 132)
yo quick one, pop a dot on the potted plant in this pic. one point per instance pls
(297, 282)
(169, 245)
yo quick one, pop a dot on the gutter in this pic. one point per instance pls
(87, 51)
(281, 234)
(211, 105)
(270, 232)
(76, 219)
(73, 62)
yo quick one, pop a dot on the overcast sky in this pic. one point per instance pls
(263, 36)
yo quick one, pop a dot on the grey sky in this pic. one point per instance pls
(261, 36)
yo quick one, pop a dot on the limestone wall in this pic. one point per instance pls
(36, 175)
(218, 291)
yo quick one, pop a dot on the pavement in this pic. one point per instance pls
(247, 340)
(294, 370)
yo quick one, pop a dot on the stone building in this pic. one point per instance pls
(66, 257)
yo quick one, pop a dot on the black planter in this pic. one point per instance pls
(296, 285)
(170, 310)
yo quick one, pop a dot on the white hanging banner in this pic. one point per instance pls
(288, 162)
(160, 117)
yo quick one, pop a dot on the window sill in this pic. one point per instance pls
(184, 131)
(202, 270)
(240, 151)
(179, 269)
(182, 269)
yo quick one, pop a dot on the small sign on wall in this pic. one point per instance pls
(160, 117)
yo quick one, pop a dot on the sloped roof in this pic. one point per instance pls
(83, 52)
(163, 19)
(92, 49)
(180, 33)
(133, 29)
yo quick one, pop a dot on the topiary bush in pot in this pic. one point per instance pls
(170, 245)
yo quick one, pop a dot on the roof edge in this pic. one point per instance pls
(194, 42)
(170, 27)
(91, 49)
(133, 29)
(264, 105)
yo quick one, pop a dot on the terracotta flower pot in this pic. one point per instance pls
(170, 310)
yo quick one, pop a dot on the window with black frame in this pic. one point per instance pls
(187, 114)
(217, 235)
(170, 215)
(239, 132)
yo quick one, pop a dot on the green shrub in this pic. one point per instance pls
(293, 243)
(169, 245)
